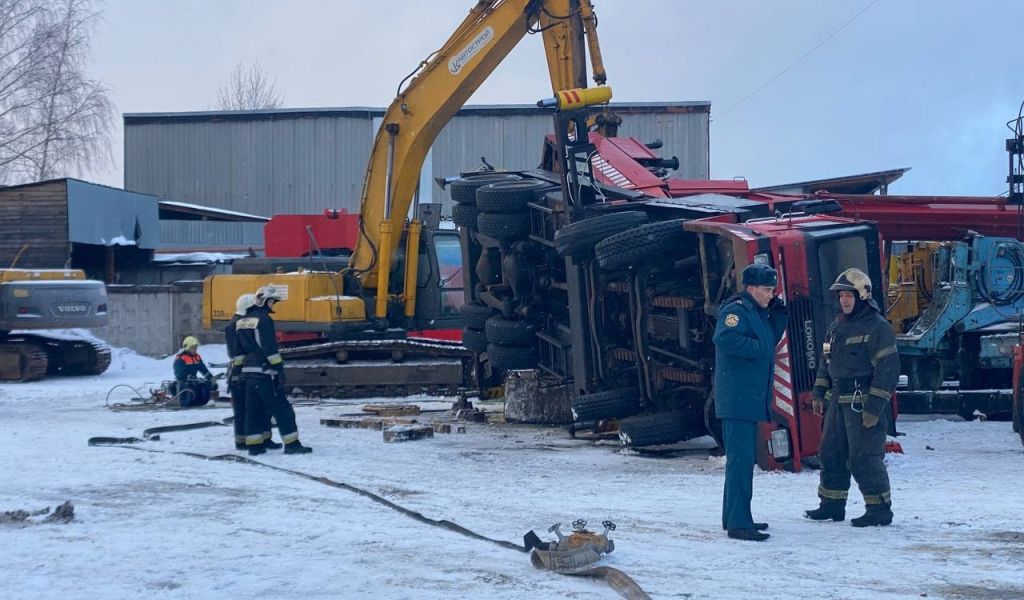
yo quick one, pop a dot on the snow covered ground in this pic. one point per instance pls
(161, 525)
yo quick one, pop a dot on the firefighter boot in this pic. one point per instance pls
(270, 444)
(296, 447)
(875, 515)
(256, 450)
(829, 509)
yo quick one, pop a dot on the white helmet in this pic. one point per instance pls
(266, 294)
(243, 303)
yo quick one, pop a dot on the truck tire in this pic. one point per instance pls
(510, 332)
(475, 315)
(464, 215)
(509, 196)
(613, 404)
(512, 357)
(652, 430)
(474, 340)
(632, 246)
(463, 190)
(503, 227)
(578, 239)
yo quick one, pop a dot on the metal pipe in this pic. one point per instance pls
(412, 258)
(392, 130)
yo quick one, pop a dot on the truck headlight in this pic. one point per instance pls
(778, 444)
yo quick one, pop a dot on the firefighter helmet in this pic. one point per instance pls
(266, 294)
(244, 302)
(189, 343)
(853, 280)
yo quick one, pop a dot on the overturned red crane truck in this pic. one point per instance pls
(603, 277)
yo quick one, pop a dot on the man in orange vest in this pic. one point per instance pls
(188, 365)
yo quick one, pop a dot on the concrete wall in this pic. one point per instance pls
(153, 319)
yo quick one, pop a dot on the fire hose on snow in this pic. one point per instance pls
(572, 554)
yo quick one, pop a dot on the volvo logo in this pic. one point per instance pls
(72, 309)
(812, 356)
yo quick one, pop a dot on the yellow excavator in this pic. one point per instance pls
(401, 276)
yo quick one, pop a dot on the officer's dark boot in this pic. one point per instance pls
(829, 509)
(296, 447)
(270, 444)
(875, 515)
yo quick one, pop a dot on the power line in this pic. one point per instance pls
(799, 60)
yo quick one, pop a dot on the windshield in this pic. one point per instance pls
(449, 264)
(837, 255)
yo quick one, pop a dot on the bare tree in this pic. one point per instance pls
(248, 88)
(54, 119)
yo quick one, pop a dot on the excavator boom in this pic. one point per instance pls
(441, 85)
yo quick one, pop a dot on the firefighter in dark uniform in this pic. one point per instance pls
(750, 325)
(263, 371)
(853, 387)
(236, 383)
(193, 390)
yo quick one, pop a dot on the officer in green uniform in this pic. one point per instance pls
(749, 327)
(853, 387)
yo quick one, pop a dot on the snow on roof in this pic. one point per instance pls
(196, 257)
(196, 208)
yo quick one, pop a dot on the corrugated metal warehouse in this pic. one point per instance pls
(306, 160)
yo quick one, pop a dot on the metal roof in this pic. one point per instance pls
(362, 112)
(183, 211)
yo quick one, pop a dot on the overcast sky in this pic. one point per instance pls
(927, 84)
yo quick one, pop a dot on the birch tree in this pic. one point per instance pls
(54, 119)
(249, 88)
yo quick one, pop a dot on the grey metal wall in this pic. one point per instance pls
(302, 161)
(98, 214)
(264, 167)
(184, 235)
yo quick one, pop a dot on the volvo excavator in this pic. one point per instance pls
(37, 299)
(402, 276)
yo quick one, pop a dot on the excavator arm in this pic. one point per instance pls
(436, 91)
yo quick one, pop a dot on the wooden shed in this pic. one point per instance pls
(73, 223)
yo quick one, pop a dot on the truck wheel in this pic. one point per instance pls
(464, 190)
(510, 332)
(512, 357)
(464, 215)
(578, 239)
(630, 247)
(652, 430)
(474, 340)
(613, 404)
(475, 315)
(509, 196)
(712, 422)
(502, 227)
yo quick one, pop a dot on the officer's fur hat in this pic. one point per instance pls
(757, 274)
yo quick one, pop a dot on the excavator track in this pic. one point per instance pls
(377, 368)
(22, 362)
(30, 357)
(77, 357)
